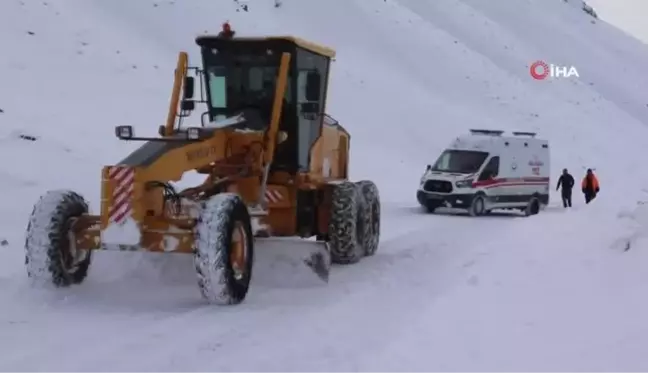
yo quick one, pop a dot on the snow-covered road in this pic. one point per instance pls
(151, 304)
(441, 291)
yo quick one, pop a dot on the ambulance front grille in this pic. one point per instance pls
(438, 186)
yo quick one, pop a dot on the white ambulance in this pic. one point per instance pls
(487, 170)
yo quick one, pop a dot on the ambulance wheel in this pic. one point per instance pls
(533, 207)
(431, 206)
(477, 206)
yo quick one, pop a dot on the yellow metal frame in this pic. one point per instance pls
(180, 74)
(280, 91)
(171, 165)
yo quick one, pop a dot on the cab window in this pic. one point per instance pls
(460, 161)
(491, 170)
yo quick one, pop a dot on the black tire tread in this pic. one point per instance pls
(344, 243)
(533, 207)
(46, 238)
(212, 246)
(370, 215)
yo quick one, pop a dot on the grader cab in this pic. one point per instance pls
(274, 165)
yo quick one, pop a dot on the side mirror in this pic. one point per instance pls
(188, 87)
(428, 168)
(310, 107)
(124, 132)
(313, 86)
(485, 175)
(187, 105)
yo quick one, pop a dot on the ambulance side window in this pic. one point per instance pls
(491, 169)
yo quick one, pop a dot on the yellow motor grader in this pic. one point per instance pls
(274, 164)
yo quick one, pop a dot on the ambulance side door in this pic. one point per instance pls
(491, 172)
(515, 168)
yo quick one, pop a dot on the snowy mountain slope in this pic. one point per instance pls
(494, 293)
(65, 74)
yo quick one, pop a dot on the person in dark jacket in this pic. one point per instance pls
(227, 32)
(590, 186)
(567, 182)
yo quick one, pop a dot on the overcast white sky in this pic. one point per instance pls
(628, 15)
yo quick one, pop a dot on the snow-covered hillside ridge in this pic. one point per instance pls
(80, 67)
(409, 76)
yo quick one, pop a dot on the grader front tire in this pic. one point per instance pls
(224, 249)
(50, 255)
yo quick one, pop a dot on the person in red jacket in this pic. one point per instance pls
(590, 186)
(227, 32)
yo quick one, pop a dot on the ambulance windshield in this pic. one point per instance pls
(460, 161)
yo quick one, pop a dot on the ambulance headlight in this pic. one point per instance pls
(464, 183)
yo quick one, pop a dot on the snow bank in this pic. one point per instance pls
(576, 306)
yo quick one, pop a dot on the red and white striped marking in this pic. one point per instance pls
(273, 196)
(519, 181)
(123, 178)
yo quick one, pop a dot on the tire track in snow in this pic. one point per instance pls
(141, 336)
(369, 314)
(406, 260)
(429, 255)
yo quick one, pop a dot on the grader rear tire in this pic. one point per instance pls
(50, 255)
(371, 215)
(346, 226)
(224, 249)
